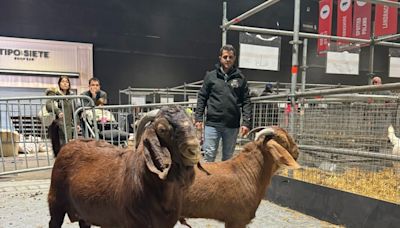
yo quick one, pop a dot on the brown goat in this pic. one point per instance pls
(235, 188)
(100, 184)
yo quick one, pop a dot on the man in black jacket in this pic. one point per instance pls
(224, 92)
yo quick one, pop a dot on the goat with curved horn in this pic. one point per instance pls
(142, 124)
(267, 132)
(261, 131)
(96, 183)
(235, 188)
(256, 129)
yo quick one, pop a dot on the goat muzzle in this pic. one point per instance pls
(191, 152)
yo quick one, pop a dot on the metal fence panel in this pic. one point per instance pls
(344, 143)
(24, 143)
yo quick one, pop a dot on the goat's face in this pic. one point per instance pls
(171, 137)
(283, 138)
(280, 145)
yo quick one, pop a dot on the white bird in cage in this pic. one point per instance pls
(394, 140)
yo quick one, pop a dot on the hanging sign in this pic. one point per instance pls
(344, 14)
(362, 20)
(324, 24)
(385, 19)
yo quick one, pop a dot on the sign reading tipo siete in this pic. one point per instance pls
(19, 54)
(24, 55)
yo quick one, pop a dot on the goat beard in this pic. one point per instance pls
(190, 155)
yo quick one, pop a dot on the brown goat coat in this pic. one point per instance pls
(235, 187)
(100, 184)
(100, 188)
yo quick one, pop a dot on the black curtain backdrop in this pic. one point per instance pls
(166, 43)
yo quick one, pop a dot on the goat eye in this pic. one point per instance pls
(283, 142)
(162, 130)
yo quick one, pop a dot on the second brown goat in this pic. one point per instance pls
(235, 188)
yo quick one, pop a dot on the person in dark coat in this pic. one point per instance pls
(61, 130)
(225, 94)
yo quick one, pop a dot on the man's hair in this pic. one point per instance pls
(227, 47)
(94, 79)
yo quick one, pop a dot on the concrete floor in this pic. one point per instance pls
(23, 203)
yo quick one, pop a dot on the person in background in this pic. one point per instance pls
(225, 93)
(380, 113)
(98, 96)
(378, 81)
(267, 90)
(61, 130)
(95, 91)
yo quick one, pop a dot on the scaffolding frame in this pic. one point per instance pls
(230, 25)
(191, 89)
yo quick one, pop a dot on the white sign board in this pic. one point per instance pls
(342, 63)
(138, 100)
(394, 67)
(19, 54)
(259, 57)
(28, 63)
(166, 99)
(192, 99)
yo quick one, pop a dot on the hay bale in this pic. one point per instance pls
(9, 142)
(383, 184)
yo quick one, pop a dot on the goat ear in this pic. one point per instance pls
(281, 155)
(158, 158)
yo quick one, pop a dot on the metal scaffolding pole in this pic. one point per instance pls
(343, 151)
(303, 82)
(290, 33)
(371, 61)
(304, 66)
(383, 2)
(249, 13)
(371, 54)
(295, 61)
(352, 89)
(388, 37)
(389, 44)
(224, 20)
(355, 89)
(305, 35)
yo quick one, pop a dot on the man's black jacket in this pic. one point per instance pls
(224, 96)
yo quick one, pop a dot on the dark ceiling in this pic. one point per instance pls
(163, 43)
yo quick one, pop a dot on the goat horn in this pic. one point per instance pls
(269, 131)
(142, 124)
(257, 129)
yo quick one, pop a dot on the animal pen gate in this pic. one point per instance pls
(343, 140)
(120, 124)
(24, 142)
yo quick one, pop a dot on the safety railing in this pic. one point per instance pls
(343, 136)
(25, 144)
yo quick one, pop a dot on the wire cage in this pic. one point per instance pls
(344, 141)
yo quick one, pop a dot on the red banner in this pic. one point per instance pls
(362, 20)
(344, 14)
(385, 19)
(324, 24)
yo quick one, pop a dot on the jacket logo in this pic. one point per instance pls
(234, 83)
